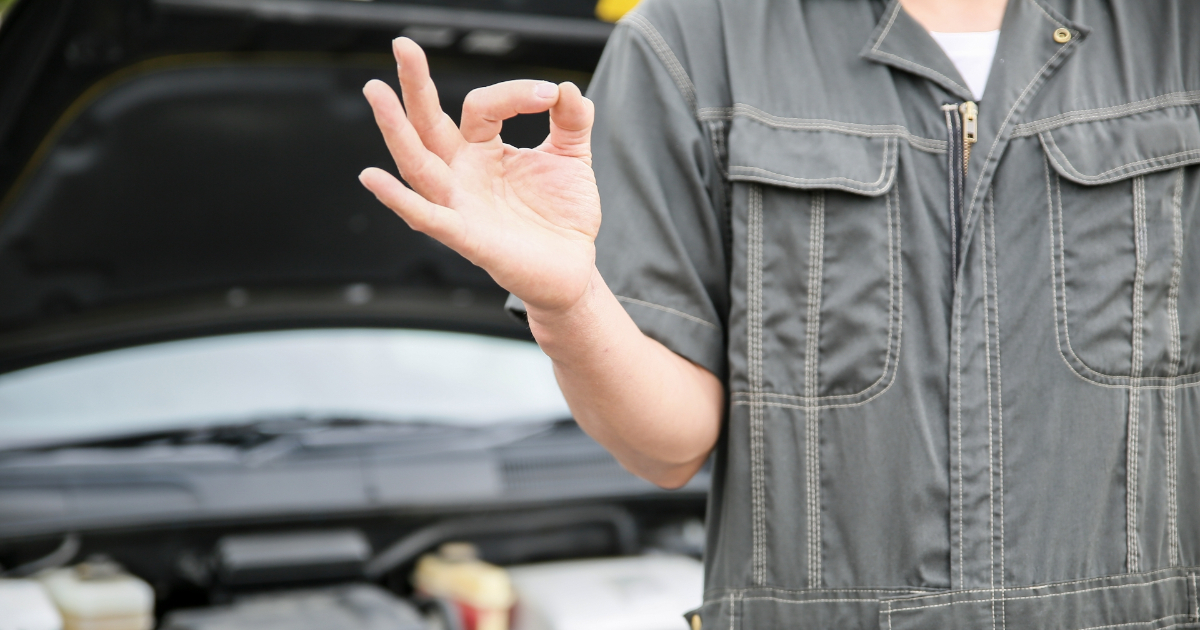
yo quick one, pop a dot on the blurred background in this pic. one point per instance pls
(238, 392)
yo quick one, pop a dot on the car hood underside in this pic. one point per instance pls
(173, 172)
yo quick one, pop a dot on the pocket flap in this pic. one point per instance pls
(1106, 151)
(812, 155)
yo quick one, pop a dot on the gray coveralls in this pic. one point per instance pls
(955, 401)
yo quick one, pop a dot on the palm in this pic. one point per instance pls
(529, 217)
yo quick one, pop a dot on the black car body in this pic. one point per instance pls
(176, 169)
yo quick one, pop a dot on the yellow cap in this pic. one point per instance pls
(612, 10)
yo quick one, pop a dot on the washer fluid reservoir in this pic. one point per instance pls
(100, 595)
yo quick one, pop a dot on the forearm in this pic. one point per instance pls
(658, 413)
(530, 218)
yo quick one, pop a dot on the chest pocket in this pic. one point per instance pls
(822, 259)
(1123, 196)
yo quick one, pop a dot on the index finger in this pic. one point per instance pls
(437, 130)
(485, 109)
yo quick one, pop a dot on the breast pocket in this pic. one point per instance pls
(820, 244)
(1123, 196)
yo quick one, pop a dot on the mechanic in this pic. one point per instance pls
(938, 323)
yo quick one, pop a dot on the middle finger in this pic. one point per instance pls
(438, 132)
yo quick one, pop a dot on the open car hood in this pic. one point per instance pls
(175, 168)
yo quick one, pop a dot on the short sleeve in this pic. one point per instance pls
(661, 247)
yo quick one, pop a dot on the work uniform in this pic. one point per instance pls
(961, 341)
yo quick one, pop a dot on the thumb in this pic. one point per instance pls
(571, 124)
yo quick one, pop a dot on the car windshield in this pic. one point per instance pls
(368, 374)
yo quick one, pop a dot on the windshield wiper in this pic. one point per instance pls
(304, 432)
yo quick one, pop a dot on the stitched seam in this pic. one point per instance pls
(714, 113)
(916, 66)
(895, 326)
(1146, 161)
(667, 309)
(1055, 218)
(718, 139)
(999, 395)
(754, 290)
(883, 36)
(886, 175)
(1138, 623)
(895, 322)
(987, 369)
(1103, 177)
(887, 29)
(718, 593)
(751, 112)
(1174, 360)
(1132, 459)
(913, 594)
(1174, 99)
(953, 174)
(1195, 599)
(1008, 117)
(766, 598)
(1029, 597)
(958, 395)
(762, 175)
(1047, 14)
(971, 591)
(816, 274)
(1065, 347)
(908, 590)
(665, 55)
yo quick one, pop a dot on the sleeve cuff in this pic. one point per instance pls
(693, 338)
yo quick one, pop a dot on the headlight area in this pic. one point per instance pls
(630, 566)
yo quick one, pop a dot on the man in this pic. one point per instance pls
(939, 328)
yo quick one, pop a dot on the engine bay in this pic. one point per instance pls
(631, 564)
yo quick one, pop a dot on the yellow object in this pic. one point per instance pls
(1062, 36)
(457, 574)
(612, 10)
(99, 595)
(695, 622)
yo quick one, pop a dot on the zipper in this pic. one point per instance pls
(962, 126)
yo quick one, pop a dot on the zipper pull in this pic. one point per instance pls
(970, 114)
(970, 129)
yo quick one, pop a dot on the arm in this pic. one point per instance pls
(529, 217)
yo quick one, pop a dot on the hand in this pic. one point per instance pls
(529, 217)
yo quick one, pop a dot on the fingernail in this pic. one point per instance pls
(546, 90)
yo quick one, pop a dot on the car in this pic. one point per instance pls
(228, 374)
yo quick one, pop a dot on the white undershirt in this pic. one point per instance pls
(972, 54)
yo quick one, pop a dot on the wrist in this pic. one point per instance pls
(557, 316)
(566, 326)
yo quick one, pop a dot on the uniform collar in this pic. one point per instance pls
(899, 41)
(1026, 45)
(1027, 56)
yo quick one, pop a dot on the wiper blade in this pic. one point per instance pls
(302, 432)
(240, 435)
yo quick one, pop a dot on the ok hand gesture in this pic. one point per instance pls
(528, 217)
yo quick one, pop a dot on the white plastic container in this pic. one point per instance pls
(99, 595)
(24, 605)
(640, 593)
(481, 591)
